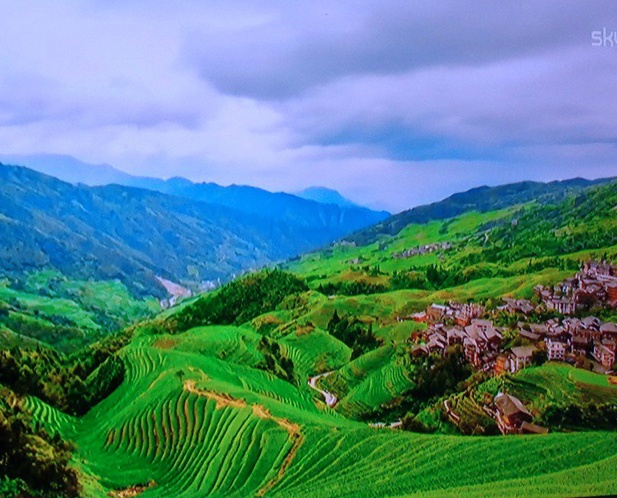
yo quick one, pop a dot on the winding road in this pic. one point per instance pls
(329, 398)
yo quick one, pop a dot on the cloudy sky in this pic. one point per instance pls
(394, 103)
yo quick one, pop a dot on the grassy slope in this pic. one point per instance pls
(554, 383)
(153, 428)
(87, 309)
(369, 381)
(271, 436)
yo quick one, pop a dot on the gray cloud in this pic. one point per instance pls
(561, 98)
(297, 49)
(394, 103)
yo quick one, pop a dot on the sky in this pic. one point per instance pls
(394, 103)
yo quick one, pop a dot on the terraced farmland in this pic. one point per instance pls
(315, 352)
(187, 423)
(554, 383)
(372, 463)
(191, 423)
(368, 381)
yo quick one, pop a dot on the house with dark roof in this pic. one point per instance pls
(511, 413)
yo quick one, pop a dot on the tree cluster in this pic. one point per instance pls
(73, 383)
(239, 301)
(574, 416)
(274, 361)
(354, 333)
(32, 462)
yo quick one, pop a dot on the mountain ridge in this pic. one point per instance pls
(326, 196)
(135, 234)
(241, 197)
(481, 199)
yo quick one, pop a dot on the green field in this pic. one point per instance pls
(555, 383)
(215, 399)
(198, 425)
(67, 314)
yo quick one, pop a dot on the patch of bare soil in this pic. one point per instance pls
(164, 343)
(222, 400)
(134, 490)
(298, 439)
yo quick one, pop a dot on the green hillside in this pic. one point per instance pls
(479, 199)
(79, 262)
(187, 423)
(50, 308)
(219, 397)
(134, 234)
(473, 255)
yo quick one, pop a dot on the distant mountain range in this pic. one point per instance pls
(325, 196)
(201, 232)
(279, 205)
(69, 169)
(136, 229)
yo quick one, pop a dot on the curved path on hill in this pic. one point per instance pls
(329, 398)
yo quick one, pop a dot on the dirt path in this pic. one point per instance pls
(329, 398)
(131, 491)
(222, 400)
(297, 438)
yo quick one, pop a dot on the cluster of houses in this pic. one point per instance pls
(569, 339)
(459, 323)
(596, 283)
(426, 249)
(566, 339)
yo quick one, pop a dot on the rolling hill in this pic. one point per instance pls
(197, 416)
(510, 250)
(479, 199)
(211, 397)
(63, 245)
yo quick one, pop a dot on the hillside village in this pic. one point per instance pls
(425, 249)
(584, 341)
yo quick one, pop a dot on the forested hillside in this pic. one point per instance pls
(133, 235)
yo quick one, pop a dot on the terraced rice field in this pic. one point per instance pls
(554, 383)
(315, 352)
(470, 412)
(382, 463)
(368, 381)
(187, 423)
